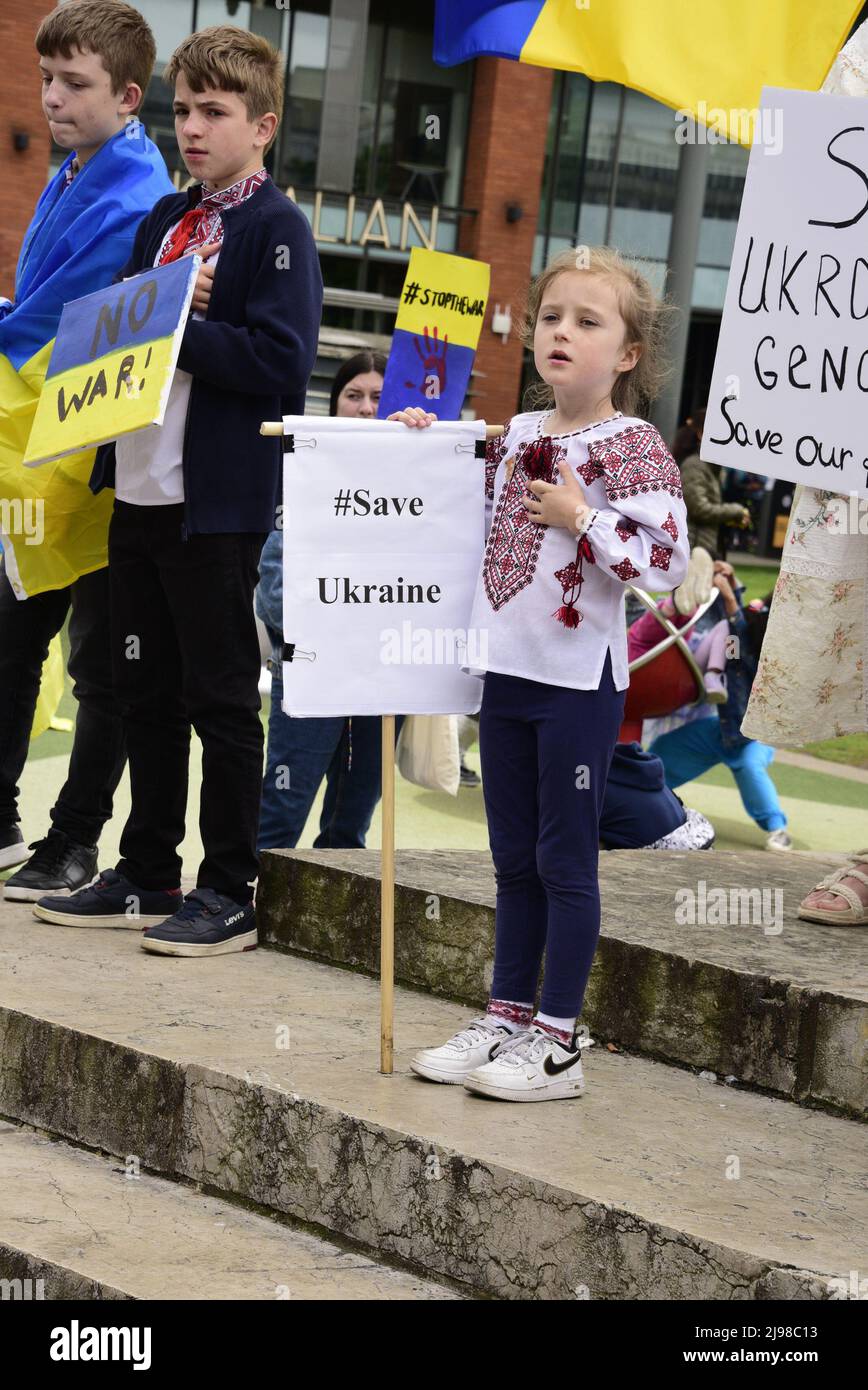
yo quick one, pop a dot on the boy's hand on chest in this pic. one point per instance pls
(205, 278)
(557, 504)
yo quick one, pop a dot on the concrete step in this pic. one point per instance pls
(87, 1227)
(256, 1076)
(779, 1003)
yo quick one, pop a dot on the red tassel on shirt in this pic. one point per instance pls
(572, 578)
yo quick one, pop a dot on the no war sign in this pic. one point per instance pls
(113, 360)
(789, 394)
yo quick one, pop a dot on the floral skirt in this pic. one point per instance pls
(812, 681)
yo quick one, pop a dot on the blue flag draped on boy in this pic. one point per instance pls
(81, 235)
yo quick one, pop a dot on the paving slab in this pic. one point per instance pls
(91, 1227)
(256, 1075)
(779, 1003)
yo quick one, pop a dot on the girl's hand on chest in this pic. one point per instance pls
(558, 504)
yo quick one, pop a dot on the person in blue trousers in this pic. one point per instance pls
(694, 748)
(301, 752)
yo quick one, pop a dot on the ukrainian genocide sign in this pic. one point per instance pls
(384, 532)
(789, 395)
(441, 311)
(112, 363)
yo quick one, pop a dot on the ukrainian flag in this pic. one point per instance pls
(711, 59)
(52, 527)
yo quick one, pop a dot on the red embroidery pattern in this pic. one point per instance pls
(513, 1013)
(203, 224)
(670, 526)
(636, 461)
(571, 580)
(626, 528)
(494, 453)
(590, 471)
(660, 556)
(514, 540)
(624, 570)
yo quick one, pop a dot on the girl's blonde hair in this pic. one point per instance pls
(646, 317)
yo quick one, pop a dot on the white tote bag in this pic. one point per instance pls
(427, 752)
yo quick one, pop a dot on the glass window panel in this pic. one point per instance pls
(223, 12)
(423, 111)
(306, 67)
(171, 22)
(568, 174)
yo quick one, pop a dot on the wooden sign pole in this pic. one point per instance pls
(387, 899)
(387, 852)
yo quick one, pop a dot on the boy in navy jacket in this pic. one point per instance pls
(194, 500)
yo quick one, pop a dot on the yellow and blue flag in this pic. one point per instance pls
(52, 527)
(711, 60)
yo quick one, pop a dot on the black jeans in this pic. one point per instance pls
(98, 754)
(185, 651)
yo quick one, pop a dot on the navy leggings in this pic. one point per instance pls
(546, 752)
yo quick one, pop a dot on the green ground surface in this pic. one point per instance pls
(825, 811)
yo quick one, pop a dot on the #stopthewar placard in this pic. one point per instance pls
(789, 393)
(384, 530)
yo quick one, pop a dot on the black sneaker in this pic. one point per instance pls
(12, 847)
(469, 778)
(58, 866)
(110, 902)
(208, 924)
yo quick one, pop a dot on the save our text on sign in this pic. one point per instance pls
(812, 288)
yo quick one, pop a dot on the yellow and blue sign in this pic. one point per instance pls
(711, 61)
(113, 360)
(440, 314)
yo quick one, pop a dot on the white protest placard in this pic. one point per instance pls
(789, 393)
(383, 535)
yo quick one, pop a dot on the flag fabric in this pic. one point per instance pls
(52, 528)
(711, 60)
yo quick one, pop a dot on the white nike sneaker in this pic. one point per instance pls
(531, 1066)
(465, 1050)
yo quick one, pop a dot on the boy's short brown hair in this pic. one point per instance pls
(116, 32)
(232, 60)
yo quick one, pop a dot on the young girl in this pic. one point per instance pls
(584, 497)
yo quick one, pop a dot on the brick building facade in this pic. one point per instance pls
(23, 172)
(503, 156)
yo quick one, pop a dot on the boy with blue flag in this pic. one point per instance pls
(96, 59)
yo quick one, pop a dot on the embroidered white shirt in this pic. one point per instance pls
(636, 532)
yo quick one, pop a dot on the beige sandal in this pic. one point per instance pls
(856, 913)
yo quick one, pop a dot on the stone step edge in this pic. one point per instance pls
(676, 1264)
(804, 1003)
(84, 1286)
(68, 1284)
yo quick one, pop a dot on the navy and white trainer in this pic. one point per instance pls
(112, 901)
(532, 1065)
(467, 1049)
(207, 924)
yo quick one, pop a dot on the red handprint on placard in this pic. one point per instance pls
(433, 365)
